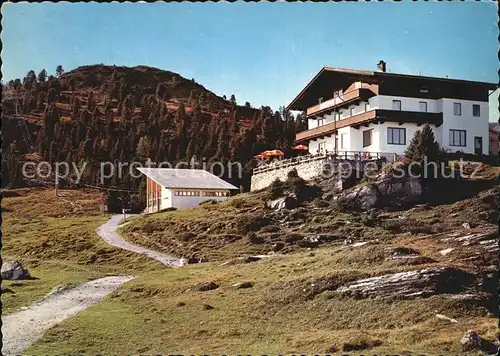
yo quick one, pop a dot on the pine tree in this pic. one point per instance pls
(59, 70)
(42, 76)
(143, 148)
(424, 144)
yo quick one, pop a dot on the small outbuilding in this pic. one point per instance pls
(182, 188)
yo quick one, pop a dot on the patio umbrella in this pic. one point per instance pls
(301, 148)
(273, 153)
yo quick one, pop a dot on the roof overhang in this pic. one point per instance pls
(327, 79)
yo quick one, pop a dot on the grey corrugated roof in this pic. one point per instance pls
(186, 178)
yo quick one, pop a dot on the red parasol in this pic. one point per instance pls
(272, 153)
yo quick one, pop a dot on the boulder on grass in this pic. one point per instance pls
(386, 191)
(286, 202)
(471, 340)
(13, 270)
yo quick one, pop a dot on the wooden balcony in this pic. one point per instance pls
(347, 98)
(375, 116)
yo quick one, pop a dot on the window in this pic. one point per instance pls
(424, 89)
(320, 122)
(322, 146)
(396, 105)
(457, 109)
(186, 193)
(343, 141)
(396, 136)
(214, 194)
(367, 138)
(351, 112)
(422, 106)
(457, 138)
(337, 93)
(476, 110)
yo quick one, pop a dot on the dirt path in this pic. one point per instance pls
(22, 328)
(109, 234)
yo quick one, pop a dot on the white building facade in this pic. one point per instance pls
(378, 112)
(182, 188)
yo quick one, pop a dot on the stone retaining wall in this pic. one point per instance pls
(306, 170)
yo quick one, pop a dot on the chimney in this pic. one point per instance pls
(381, 66)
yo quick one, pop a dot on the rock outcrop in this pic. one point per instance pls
(13, 270)
(386, 191)
(286, 202)
(411, 284)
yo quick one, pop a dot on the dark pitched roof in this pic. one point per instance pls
(380, 75)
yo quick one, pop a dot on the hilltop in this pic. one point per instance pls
(102, 113)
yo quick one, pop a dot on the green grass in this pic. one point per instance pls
(57, 245)
(291, 308)
(275, 316)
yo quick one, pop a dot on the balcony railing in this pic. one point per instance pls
(346, 99)
(377, 115)
(330, 156)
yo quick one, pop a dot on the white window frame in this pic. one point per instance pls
(459, 111)
(453, 138)
(424, 103)
(343, 137)
(394, 105)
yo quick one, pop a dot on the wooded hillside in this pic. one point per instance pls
(102, 113)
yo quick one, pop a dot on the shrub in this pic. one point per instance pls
(209, 201)
(409, 225)
(293, 173)
(248, 223)
(293, 237)
(237, 203)
(167, 210)
(185, 236)
(254, 239)
(276, 188)
(270, 228)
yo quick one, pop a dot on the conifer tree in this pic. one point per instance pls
(424, 144)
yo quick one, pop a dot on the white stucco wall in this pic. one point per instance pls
(385, 102)
(410, 129)
(474, 126)
(166, 198)
(185, 202)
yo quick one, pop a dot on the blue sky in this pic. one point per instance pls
(264, 53)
